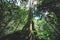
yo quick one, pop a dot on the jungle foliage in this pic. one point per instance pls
(14, 19)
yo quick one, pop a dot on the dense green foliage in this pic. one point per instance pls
(14, 18)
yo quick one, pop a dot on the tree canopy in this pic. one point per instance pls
(30, 19)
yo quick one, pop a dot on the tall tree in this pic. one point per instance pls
(30, 18)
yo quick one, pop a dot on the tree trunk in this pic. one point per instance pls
(30, 24)
(30, 20)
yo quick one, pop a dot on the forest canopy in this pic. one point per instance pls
(30, 19)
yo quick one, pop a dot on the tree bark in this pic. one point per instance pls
(30, 24)
(30, 19)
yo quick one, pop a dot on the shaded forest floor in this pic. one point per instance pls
(21, 36)
(16, 36)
